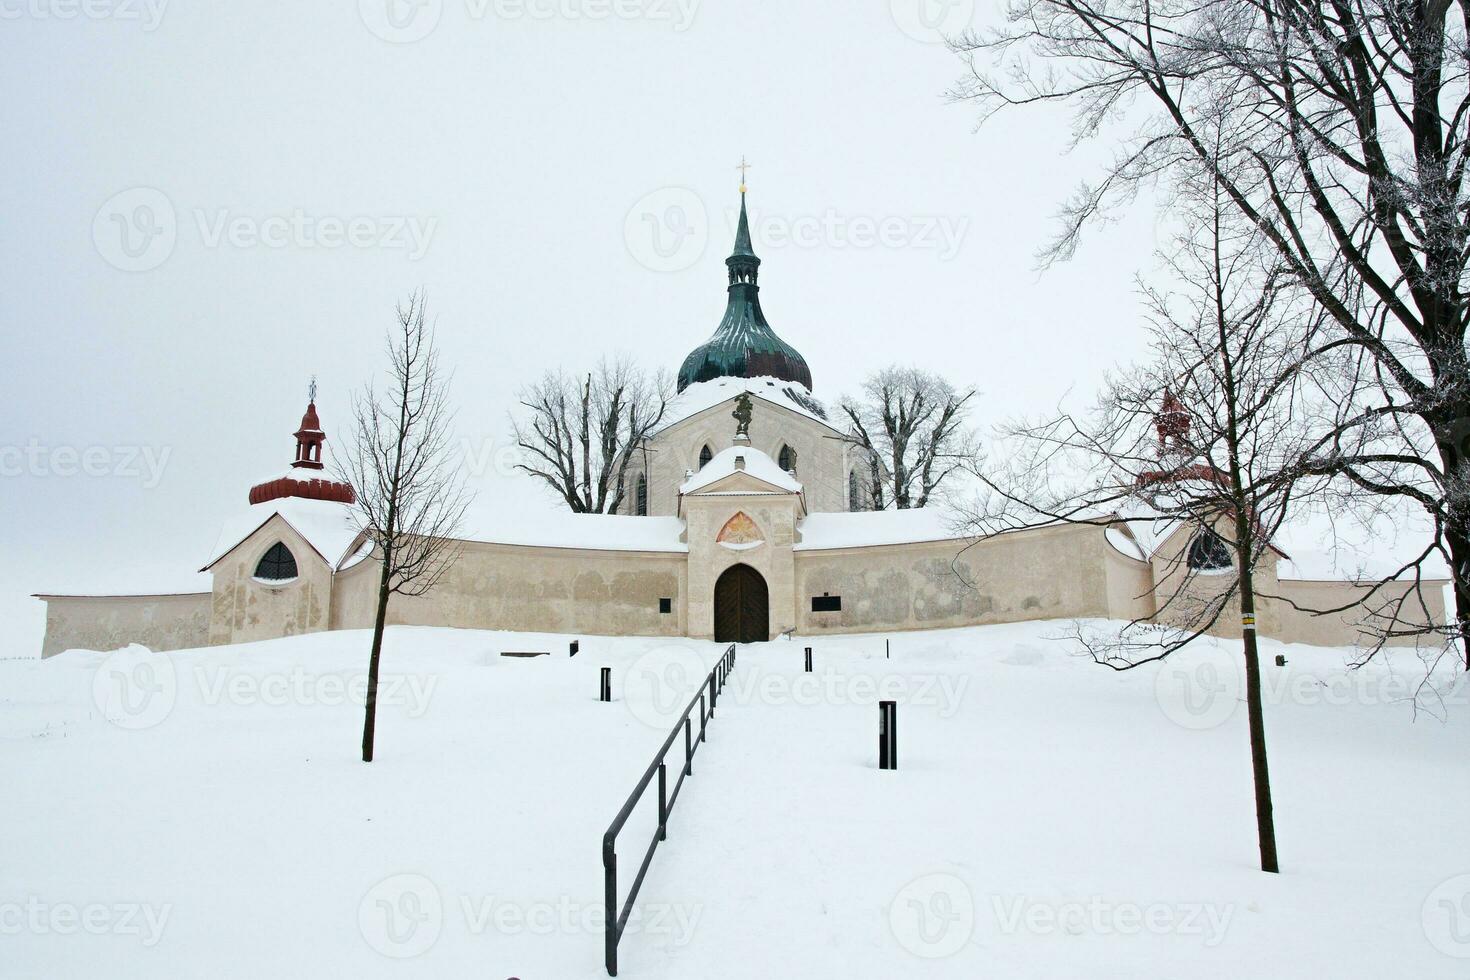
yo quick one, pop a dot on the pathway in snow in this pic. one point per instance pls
(1048, 819)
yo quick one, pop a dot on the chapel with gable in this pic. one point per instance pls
(744, 519)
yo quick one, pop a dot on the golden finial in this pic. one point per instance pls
(742, 168)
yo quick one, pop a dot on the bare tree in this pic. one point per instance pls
(1346, 128)
(410, 492)
(912, 428)
(580, 434)
(1226, 454)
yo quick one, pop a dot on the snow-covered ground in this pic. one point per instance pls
(204, 813)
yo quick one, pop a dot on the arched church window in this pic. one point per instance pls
(640, 496)
(705, 455)
(787, 459)
(1208, 553)
(276, 565)
(854, 491)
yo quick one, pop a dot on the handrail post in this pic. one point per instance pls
(701, 719)
(688, 747)
(663, 802)
(610, 905)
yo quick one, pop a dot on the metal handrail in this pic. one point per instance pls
(713, 684)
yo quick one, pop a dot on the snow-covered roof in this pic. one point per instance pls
(133, 583)
(326, 525)
(741, 459)
(704, 395)
(862, 529)
(563, 529)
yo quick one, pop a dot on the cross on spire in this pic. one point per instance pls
(742, 168)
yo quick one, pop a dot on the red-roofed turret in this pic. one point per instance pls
(309, 441)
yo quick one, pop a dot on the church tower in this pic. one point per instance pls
(301, 480)
(744, 345)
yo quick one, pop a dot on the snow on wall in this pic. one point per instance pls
(861, 529)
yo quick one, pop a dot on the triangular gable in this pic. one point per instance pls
(236, 546)
(741, 481)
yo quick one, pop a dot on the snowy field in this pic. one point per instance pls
(204, 813)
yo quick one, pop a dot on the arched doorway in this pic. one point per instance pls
(742, 606)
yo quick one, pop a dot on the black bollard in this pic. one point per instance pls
(576, 645)
(808, 660)
(887, 734)
(605, 692)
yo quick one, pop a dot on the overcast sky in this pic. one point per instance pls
(207, 203)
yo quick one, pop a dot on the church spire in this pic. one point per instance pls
(304, 478)
(744, 345)
(743, 263)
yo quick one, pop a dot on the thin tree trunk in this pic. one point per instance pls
(370, 719)
(1245, 564)
(1265, 819)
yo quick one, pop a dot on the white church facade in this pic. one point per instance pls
(724, 535)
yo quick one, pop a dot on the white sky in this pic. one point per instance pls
(543, 152)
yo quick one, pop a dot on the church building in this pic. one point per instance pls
(744, 520)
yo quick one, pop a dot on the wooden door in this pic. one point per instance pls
(742, 606)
